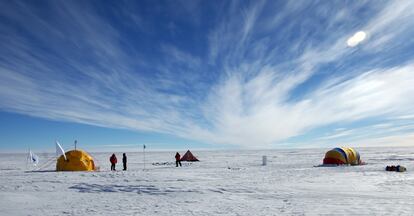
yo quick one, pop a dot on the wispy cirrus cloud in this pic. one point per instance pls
(257, 78)
(251, 119)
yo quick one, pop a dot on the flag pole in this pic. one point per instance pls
(143, 150)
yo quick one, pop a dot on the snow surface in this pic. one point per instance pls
(223, 183)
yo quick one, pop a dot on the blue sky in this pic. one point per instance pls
(206, 74)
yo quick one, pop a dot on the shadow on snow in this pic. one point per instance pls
(140, 189)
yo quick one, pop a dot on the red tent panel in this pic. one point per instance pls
(188, 156)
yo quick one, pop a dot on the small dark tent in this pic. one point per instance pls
(188, 156)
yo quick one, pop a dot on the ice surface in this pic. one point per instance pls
(223, 183)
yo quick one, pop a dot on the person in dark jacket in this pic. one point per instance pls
(113, 161)
(124, 161)
(177, 159)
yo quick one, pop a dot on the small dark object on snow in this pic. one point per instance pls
(397, 168)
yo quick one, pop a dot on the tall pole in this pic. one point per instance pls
(143, 150)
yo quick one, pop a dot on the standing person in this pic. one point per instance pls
(113, 161)
(124, 161)
(177, 159)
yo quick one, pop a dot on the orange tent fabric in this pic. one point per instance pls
(188, 156)
(76, 160)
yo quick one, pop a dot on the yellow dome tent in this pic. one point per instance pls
(76, 160)
(342, 155)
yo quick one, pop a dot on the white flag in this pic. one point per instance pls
(59, 150)
(33, 158)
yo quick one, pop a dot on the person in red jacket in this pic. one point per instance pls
(113, 161)
(177, 159)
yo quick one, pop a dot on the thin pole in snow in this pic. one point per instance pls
(143, 150)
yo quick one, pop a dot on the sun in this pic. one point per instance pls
(356, 38)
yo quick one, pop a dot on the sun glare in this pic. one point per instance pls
(356, 39)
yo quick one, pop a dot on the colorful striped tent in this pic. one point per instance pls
(342, 156)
